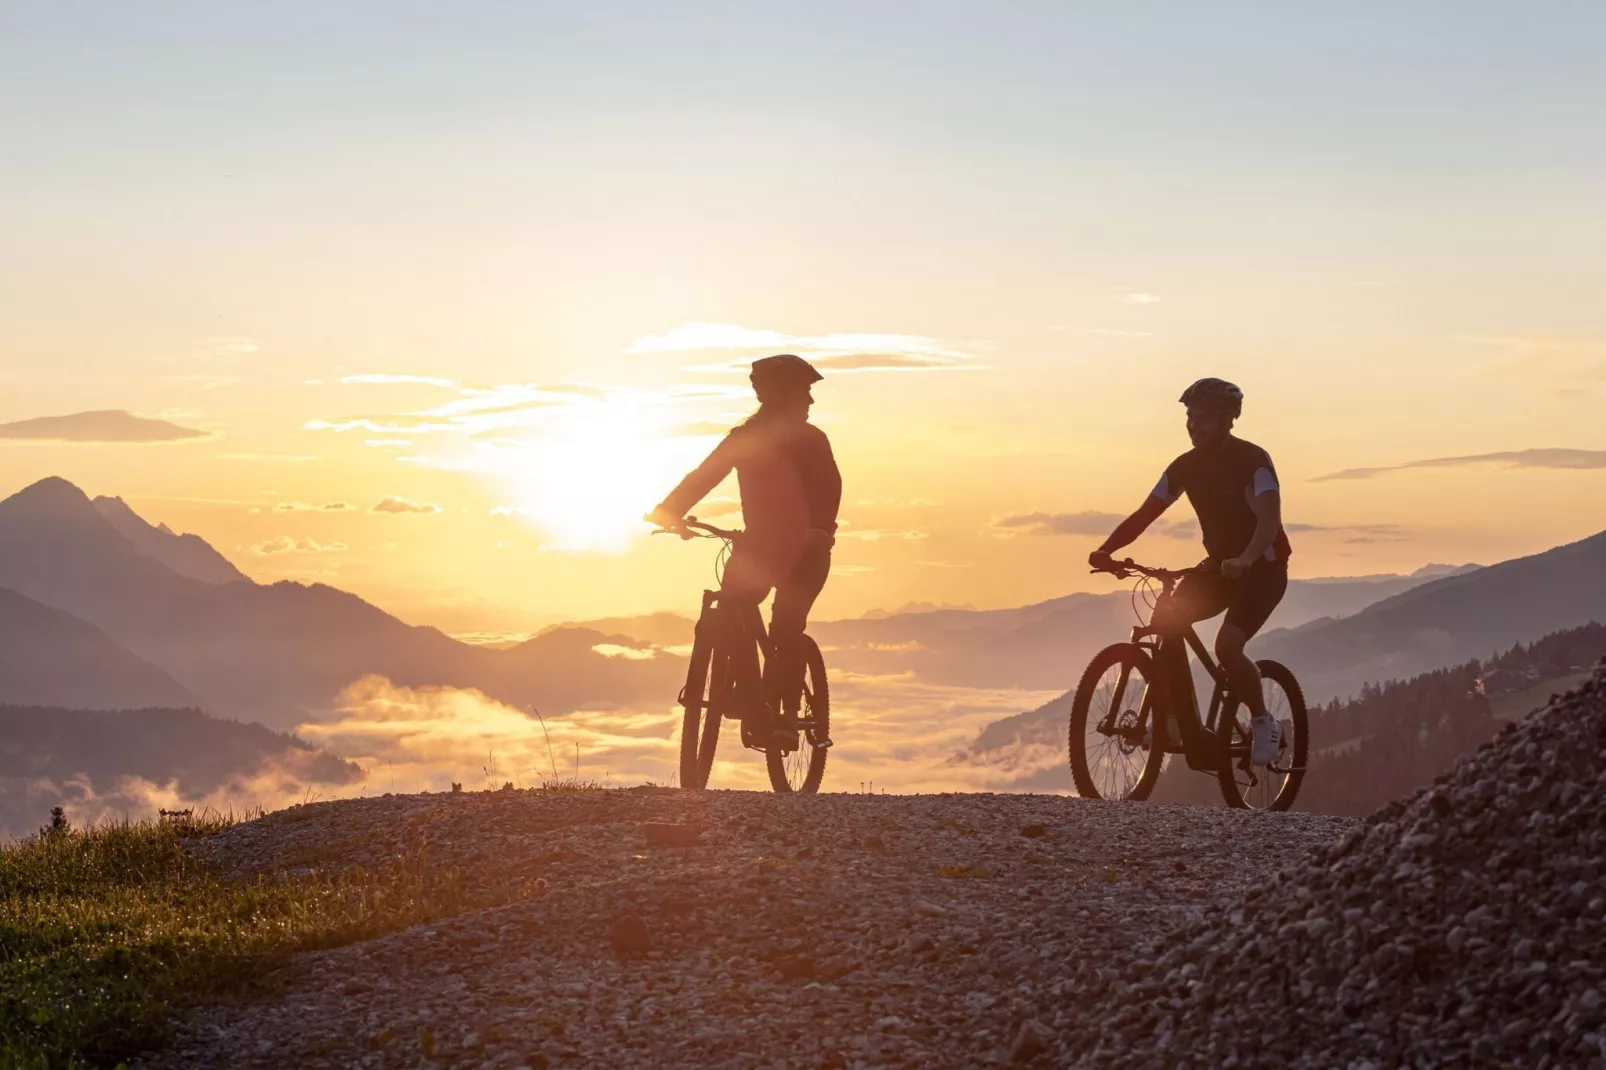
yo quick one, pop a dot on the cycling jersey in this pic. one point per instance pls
(789, 484)
(1220, 483)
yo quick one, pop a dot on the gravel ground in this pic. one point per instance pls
(728, 929)
(1464, 926)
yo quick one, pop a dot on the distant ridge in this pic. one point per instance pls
(188, 555)
(51, 658)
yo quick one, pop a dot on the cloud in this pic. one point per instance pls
(1354, 533)
(308, 507)
(477, 410)
(205, 382)
(284, 544)
(392, 504)
(110, 425)
(1087, 522)
(701, 429)
(269, 458)
(1557, 458)
(382, 378)
(1134, 298)
(830, 352)
(1117, 333)
(229, 346)
(876, 535)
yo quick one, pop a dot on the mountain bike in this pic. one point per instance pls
(728, 680)
(1136, 706)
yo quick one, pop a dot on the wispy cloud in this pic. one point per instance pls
(1570, 459)
(229, 346)
(1086, 522)
(1114, 332)
(830, 352)
(1355, 533)
(205, 382)
(477, 410)
(284, 544)
(1133, 297)
(269, 458)
(309, 507)
(392, 504)
(384, 378)
(111, 425)
(876, 535)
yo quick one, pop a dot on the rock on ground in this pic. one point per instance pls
(1464, 926)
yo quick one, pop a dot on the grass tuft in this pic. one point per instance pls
(105, 933)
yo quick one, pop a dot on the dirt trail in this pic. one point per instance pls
(832, 931)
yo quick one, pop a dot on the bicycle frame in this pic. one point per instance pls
(738, 629)
(1169, 653)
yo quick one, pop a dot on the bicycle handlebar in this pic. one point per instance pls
(1124, 569)
(692, 528)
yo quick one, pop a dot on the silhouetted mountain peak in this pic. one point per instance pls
(51, 499)
(188, 555)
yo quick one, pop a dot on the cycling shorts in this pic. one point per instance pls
(1248, 600)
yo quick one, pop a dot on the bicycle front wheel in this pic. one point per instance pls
(801, 770)
(1115, 753)
(707, 681)
(1274, 786)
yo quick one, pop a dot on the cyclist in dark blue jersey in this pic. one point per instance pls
(1232, 486)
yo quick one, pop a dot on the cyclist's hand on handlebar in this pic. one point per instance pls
(668, 522)
(1101, 561)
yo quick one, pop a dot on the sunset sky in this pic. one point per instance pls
(432, 303)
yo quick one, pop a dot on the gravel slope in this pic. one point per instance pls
(832, 931)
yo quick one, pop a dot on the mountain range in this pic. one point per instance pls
(1456, 618)
(275, 653)
(102, 609)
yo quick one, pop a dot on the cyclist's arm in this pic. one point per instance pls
(1268, 507)
(1128, 530)
(702, 479)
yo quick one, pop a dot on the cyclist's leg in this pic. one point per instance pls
(1257, 593)
(1198, 597)
(745, 585)
(794, 597)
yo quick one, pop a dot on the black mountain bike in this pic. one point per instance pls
(1118, 746)
(727, 681)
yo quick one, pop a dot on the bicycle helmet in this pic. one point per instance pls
(784, 369)
(1215, 394)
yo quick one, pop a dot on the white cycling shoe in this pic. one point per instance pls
(1266, 740)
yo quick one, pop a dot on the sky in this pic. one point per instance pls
(433, 303)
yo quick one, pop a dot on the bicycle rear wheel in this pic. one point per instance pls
(802, 770)
(1274, 786)
(1114, 752)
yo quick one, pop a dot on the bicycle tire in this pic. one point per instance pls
(692, 698)
(1234, 741)
(714, 714)
(1136, 663)
(804, 775)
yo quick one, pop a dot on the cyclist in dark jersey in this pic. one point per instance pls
(1232, 486)
(791, 490)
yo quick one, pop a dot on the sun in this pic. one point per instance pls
(598, 467)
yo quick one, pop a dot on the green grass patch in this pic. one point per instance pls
(104, 933)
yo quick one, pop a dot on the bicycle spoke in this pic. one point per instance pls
(1114, 761)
